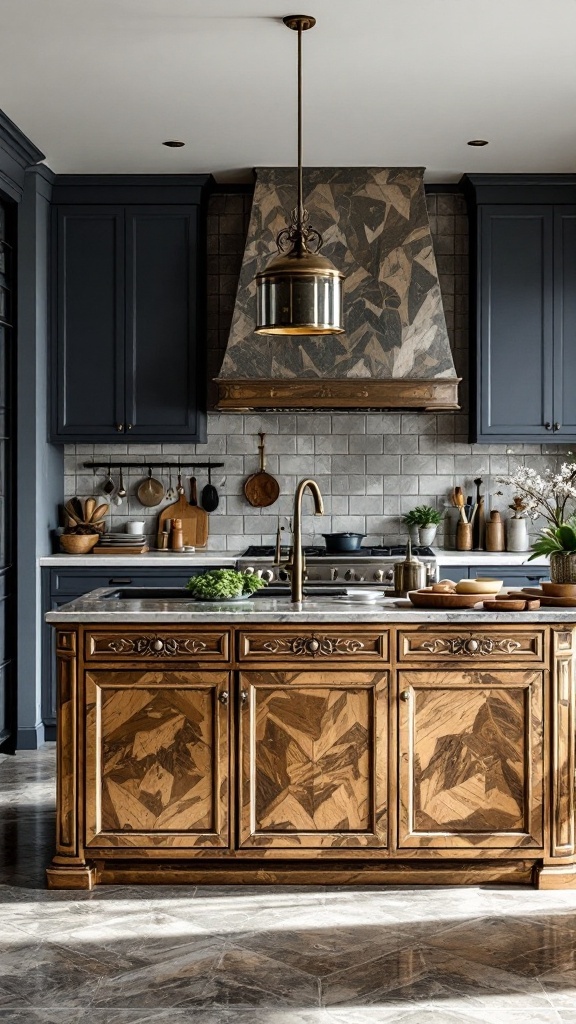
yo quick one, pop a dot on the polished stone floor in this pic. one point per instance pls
(277, 955)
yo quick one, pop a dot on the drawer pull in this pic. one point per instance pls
(149, 646)
(405, 695)
(223, 697)
(313, 645)
(119, 583)
(470, 645)
(243, 696)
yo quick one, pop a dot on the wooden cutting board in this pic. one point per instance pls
(194, 522)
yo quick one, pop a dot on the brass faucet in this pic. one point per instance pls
(297, 564)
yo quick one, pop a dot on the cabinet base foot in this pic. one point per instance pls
(76, 877)
(556, 876)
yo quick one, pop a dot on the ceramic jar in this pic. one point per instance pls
(517, 535)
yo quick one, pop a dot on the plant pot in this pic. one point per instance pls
(78, 543)
(427, 535)
(563, 567)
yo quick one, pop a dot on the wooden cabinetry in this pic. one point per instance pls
(128, 287)
(471, 758)
(524, 308)
(157, 756)
(447, 755)
(313, 759)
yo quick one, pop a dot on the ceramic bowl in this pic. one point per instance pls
(479, 586)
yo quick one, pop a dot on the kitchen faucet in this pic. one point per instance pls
(297, 564)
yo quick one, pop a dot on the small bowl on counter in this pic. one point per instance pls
(78, 543)
(481, 585)
(558, 589)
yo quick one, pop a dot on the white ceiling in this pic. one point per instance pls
(98, 84)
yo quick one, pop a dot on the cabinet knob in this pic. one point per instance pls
(128, 426)
(557, 426)
(405, 695)
(119, 427)
(243, 696)
(223, 697)
(547, 425)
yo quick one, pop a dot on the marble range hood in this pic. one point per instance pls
(395, 352)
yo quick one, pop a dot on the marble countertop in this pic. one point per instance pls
(97, 608)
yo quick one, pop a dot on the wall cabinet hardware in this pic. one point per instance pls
(405, 695)
(243, 696)
(547, 426)
(223, 697)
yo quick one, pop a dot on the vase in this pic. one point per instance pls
(464, 536)
(517, 535)
(563, 567)
(426, 535)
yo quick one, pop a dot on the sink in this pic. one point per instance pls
(182, 594)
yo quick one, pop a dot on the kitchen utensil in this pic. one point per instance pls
(261, 489)
(337, 543)
(121, 488)
(409, 574)
(108, 487)
(170, 493)
(426, 598)
(484, 586)
(558, 589)
(194, 522)
(210, 499)
(180, 490)
(89, 508)
(478, 531)
(151, 491)
(550, 602)
(70, 509)
(100, 512)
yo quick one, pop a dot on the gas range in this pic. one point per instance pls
(369, 566)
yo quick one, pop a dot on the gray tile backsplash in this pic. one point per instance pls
(371, 467)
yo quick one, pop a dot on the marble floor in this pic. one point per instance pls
(277, 955)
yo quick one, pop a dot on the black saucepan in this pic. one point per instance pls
(339, 543)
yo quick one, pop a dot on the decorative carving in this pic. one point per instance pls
(313, 645)
(470, 645)
(338, 394)
(154, 646)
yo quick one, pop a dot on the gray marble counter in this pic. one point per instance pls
(225, 559)
(96, 607)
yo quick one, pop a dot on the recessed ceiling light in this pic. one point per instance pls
(173, 144)
(477, 142)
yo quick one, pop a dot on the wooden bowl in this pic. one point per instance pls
(512, 604)
(558, 589)
(429, 599)
(78, 543)
(479, 586)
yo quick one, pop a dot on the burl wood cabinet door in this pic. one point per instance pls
(156, 758)
(313, 759)
(470, 746)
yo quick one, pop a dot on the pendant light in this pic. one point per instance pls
(300, 291)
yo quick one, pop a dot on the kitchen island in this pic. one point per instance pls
(319, 743)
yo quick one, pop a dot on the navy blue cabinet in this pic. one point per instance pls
(523, 321)
(128, 354)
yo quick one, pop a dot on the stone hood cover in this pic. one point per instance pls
(395, 350)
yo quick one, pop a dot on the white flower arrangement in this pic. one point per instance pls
(548, 495)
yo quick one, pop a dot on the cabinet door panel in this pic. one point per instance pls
(470, 746)
(565, 321)
(313, 756)
(516, 311)
(156, 759)
(163, 384)
(89, 314)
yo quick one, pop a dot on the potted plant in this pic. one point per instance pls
(422, 523)
(550, 496)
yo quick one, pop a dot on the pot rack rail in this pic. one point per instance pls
(148, 464)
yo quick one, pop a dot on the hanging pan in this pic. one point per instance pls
(261, 489)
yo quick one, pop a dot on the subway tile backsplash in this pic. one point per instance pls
(371, 467)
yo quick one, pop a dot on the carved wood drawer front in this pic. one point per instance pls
(326, 643)
(157, 644)
(471, 644)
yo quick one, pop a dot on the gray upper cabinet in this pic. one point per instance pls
(128, 353)
(523, 319)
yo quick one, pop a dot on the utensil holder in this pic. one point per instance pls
(464, 537)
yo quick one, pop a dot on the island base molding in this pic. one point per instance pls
(432, 872)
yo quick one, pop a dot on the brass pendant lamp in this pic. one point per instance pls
(300, 291)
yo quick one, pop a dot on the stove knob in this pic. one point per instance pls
(389, 575)
(379, 575)
(283, 575)
(349, 574)
(267, 575)
(333, 574)
(249, 570)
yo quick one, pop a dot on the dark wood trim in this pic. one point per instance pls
(403, 393)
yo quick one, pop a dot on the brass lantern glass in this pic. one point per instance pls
(300, 291)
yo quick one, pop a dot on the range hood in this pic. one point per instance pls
(395, 352)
